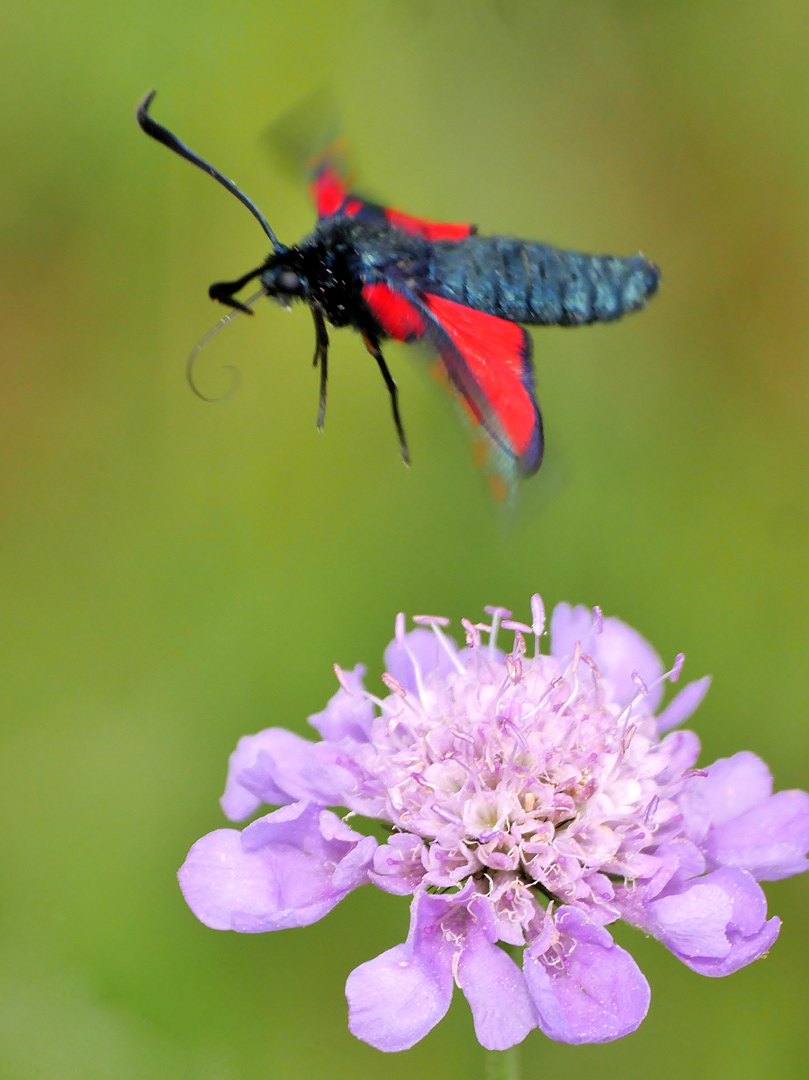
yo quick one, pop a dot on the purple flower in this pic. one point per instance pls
(531, 803)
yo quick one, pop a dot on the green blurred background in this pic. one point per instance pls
(177, 574)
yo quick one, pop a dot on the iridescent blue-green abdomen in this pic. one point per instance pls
(539, 284)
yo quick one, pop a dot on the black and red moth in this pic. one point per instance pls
(390, 275)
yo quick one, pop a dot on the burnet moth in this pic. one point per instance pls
(390, 275)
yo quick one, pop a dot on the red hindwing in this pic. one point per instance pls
(330, 195)
(497, 354)
(398, 316)
(328, 191)
(487, 359)
(430, 230)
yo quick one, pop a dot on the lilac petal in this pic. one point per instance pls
(693, 922)
(748, 933)
(248, 785)
(586, 989)
(679, 860)
(424, 646)
(733, 786)
(568, 626)
(771, 840)
(286, 869)
(395, 999)
(682, 750)
(743, 952)
(398, 867)
(218, 879)
(618, 650)
(496, 991)
(748, 902)
(347, 715)
(352, 870)
(545, 933)
(683, 704)
(306, 771)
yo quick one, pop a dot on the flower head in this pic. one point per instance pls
(532, 801)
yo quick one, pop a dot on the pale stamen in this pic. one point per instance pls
(537, 620)
(435, 622)
(497, 613)
(342, 680)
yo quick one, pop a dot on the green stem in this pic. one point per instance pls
(503, 1064)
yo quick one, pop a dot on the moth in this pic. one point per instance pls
(388, 274)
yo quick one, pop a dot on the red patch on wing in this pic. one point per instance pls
(430, 230)
(328, 192)
(395, 314)
(495, 352)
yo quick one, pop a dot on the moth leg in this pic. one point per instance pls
(372, 345)
(321, 355)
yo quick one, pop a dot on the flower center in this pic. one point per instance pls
(520, 773)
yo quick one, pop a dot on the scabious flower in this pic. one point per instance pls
(531, 802)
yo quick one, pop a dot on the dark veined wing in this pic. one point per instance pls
(488, 361)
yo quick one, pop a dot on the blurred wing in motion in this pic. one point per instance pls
(308, 130)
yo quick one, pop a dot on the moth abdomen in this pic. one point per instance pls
(538, 284)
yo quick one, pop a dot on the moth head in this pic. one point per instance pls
(222, 291)
(282, 277)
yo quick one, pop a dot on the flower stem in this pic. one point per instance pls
(503, 1064)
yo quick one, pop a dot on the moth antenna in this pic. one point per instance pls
(164, 136)
(203, 341)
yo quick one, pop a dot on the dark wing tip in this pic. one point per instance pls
(530, 459)
(529, 466)
(528, 463)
